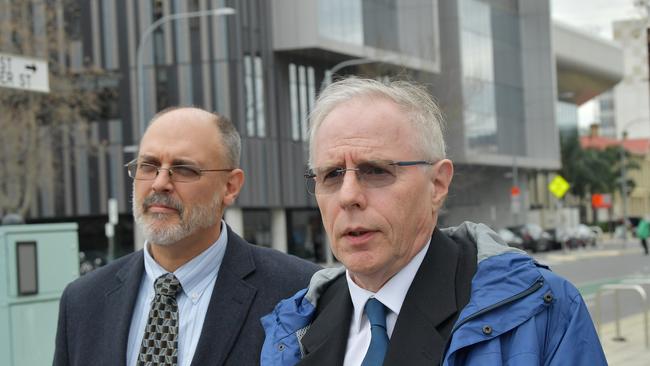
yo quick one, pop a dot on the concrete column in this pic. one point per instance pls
(138, 237)
(234, 217)
(329, 256)
(279, 230)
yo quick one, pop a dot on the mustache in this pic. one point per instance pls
(162, 199)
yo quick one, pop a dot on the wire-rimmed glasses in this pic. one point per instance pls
(177, 173)
(370, 174)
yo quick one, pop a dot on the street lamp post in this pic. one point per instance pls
(327, 80)
(140, 75)
(624, 174)
(145, 36)
(515, 196)
(624, 186)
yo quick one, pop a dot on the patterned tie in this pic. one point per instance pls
(160, 341)
(376, 312)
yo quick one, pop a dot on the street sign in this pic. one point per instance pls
(515, 191)
(109, 230)
(559, 186)
(600, 200)
(24, 73)
(112, 211)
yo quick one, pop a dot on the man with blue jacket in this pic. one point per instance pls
(410, 293)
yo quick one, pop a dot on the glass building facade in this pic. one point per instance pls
(401, 26)
(567, 118)
(263, 67)
(491, 77)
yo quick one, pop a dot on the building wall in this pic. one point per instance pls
(607, 114)
(632, 94)
(482, 194)
(497, 90)
(489, 64)
(639, 201)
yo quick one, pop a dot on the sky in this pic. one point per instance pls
(596, 17)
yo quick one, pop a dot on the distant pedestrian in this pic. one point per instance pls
(643, 231)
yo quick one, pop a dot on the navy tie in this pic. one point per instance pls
(376, 312)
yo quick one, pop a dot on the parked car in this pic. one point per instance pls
(511, 238)
(91, 260)
(555, 241)
(535, 239)
(580, 236)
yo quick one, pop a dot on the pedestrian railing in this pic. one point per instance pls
(616, 288)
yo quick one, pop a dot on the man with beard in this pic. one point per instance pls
(195, 294)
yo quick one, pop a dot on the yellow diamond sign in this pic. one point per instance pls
(559, 186)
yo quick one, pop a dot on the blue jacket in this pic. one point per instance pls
(519, 313)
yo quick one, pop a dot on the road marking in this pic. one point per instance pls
(588, 290)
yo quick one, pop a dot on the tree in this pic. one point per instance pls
(594, 171)
(38, 29)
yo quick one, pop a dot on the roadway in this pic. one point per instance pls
(611, 262)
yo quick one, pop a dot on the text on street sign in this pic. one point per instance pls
(24, 73)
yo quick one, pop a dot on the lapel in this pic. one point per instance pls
(429, 309)
(326, 340)
(120, 300)
(231, 299)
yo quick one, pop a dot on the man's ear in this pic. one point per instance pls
(441, 179)
(233, 186)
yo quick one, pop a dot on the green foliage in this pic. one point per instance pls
(592, 170)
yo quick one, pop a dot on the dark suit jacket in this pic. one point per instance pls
(95, 310)
(438, 293)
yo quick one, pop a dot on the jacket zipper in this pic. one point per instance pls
(534, 287)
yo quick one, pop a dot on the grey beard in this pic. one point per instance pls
(191, 219)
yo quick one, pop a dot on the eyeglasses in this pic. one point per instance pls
(177, 173)
(370, 174)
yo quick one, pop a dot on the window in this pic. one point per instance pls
(254, 88)
(257, 227)
(302, 94)
(306, 236)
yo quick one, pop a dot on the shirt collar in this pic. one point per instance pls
(392, 294)
(195, 275)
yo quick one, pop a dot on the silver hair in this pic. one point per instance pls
(229, 135)
(424, 114)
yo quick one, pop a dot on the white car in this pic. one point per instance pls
(579, 236)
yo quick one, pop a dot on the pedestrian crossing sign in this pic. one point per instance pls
(559, 186)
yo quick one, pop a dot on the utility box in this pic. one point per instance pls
(36, 263)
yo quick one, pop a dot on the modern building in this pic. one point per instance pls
(632, 94)
(588, 67)
(607, 114)
(490, 63)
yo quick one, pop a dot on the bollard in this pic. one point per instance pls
(623, 287)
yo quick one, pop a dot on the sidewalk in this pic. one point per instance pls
(632, 351)
(607, 247)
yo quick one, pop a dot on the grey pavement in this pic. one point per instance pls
(631, 350)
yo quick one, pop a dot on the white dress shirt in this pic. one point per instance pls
(197, 277)
(392, 295)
